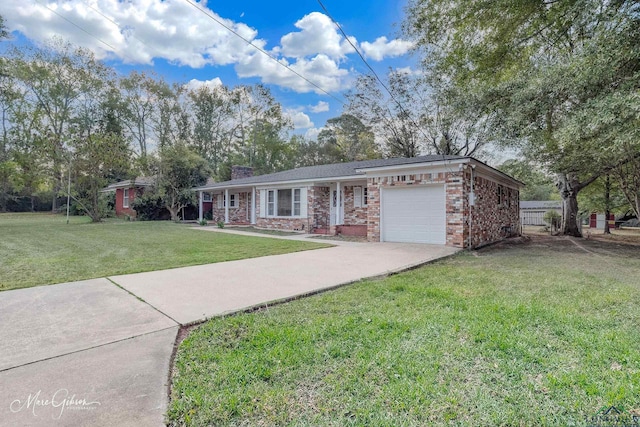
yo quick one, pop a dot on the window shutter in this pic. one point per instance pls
(303, 202)
(263, 203)
(357, 197)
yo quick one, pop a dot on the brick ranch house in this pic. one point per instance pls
(452, 200)
(126, 192)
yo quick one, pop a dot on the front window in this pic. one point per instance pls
(233, 200)
(206, 197)
(285, 202)
(125, 198)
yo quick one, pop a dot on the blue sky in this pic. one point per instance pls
(180, 43)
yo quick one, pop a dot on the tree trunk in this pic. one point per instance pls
(174, 213)
(569, 188)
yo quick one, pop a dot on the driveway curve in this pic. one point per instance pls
(97, 352)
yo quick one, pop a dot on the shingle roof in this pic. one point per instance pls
(540, 204)
(335, 170)
(141, 181)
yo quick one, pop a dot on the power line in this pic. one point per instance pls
(81, 28)
(117, 25)
(374, 72)
(264, 52)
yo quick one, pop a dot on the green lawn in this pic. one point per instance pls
(541, 333)
(37, 249)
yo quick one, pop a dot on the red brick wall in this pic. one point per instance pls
(120, 209)
(490, 220)
(353, 215)
(239, 215)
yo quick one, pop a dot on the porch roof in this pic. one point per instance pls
(333, 171)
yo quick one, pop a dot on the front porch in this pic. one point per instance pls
(323, 208)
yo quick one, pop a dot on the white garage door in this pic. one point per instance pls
(414, 214)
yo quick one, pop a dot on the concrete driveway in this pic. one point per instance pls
(97, 352)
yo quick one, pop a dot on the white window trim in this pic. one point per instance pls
(125, 198)
(293, 202)
(206, 197)
(234, 197)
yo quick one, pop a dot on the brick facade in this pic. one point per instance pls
(494, 216)
(353, 215)
(238, 215)
(488, 220)
(121, 211)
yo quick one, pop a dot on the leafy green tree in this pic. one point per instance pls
(351, 138)
(211, 111)
(138, 108)
(180, 169)
(550, 73)
(603, 196)
(539, 185)
(99, 152)
(59, 78)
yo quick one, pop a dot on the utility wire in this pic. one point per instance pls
(404, 111)
(80, 28)
(117, 25)
(264, 52)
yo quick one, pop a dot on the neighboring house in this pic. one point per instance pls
(532, 211)
(452, 200)
(126, 192)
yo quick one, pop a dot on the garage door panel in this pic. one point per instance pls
(414, 214)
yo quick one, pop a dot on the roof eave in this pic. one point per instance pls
(404, 166)
(221, 185)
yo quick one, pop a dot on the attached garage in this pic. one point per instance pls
(414, 214)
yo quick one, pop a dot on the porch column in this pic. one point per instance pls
(253, 205)
(200, 206)
(226, 206)
(338, 203)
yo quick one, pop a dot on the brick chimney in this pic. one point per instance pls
(239, 172)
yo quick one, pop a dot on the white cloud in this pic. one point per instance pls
(300, 120)
(319, 35)
(136, 31)
(195, 84)
(312, 133)
(382, 48)
(321, 70)
(320, 107)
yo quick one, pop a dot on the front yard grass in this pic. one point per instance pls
(539, 333)
(38, 249)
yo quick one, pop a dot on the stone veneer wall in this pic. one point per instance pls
(239, 215)
(490, 222)
(319, 210)
(352, 214)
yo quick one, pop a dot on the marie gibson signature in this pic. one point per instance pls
(61, 400)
